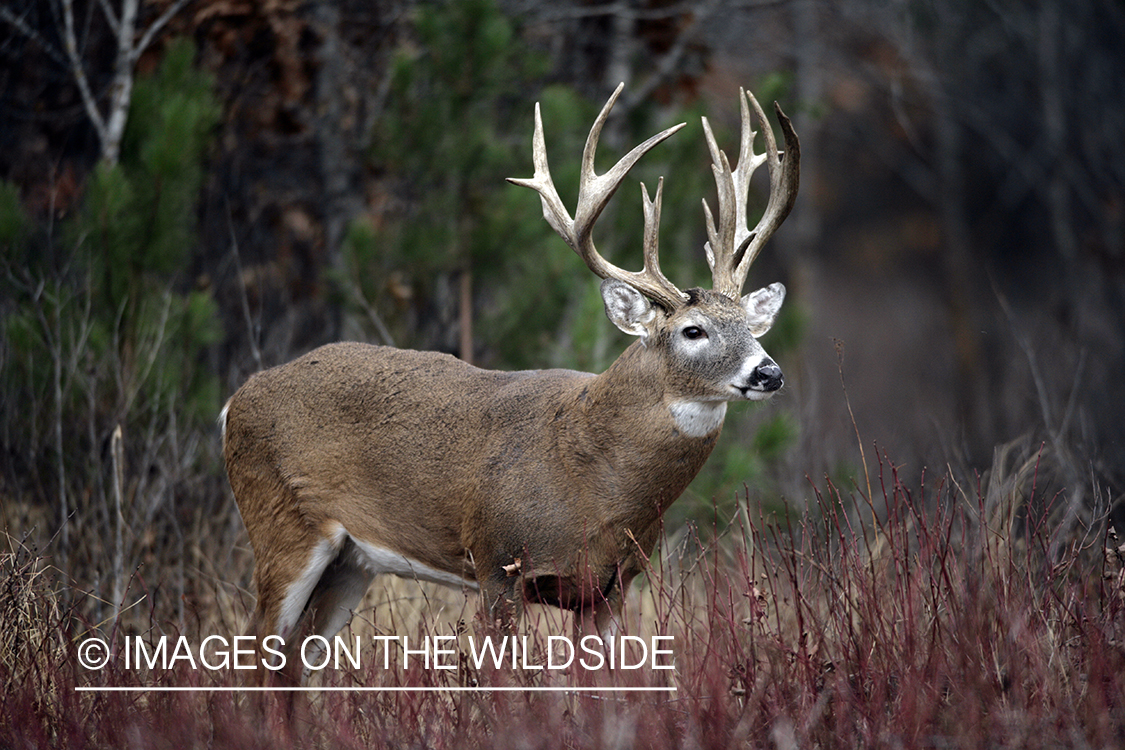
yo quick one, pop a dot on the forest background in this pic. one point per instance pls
(214, 187)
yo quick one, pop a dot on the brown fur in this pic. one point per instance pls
(462, 469)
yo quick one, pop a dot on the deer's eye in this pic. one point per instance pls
(694, 332)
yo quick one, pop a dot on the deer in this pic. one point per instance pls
(541, 486)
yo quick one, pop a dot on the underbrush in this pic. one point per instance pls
(934, 614)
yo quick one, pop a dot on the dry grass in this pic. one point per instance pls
(934, 615)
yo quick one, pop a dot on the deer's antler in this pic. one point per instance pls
(732, 247)
(594, 192)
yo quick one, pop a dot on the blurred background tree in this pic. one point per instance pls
(103, 332)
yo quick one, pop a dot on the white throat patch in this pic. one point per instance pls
(698, 418)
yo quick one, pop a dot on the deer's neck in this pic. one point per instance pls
(627, 419)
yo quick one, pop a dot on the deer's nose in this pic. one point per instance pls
(766, 376)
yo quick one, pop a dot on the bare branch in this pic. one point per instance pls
(79, 73)
(251, 328)
(156, 26)
(22, 26)
(110, 16)
(668, 63)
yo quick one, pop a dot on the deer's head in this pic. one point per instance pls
(706, 339)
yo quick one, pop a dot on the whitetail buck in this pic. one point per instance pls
(542, 486)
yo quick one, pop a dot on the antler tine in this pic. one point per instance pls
(553, 209)
(594, 192)
(733, 191)
(652, 241)
(733, 247)
(720, 240)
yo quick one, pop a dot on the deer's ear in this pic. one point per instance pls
(762, 307)
(629, 310)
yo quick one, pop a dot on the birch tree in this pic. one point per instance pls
(108, 110)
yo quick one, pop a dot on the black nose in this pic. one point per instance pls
(766, 376)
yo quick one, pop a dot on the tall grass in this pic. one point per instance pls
(936, 614)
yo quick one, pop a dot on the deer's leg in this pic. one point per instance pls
(602, 619)
(502, 601)
(601, 616)
(288, 565)
(330, 606)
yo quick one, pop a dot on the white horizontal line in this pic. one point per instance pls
(362, 689)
